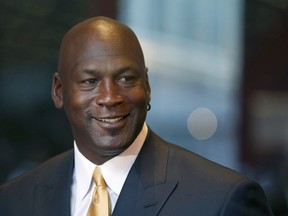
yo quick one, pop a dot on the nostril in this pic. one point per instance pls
(109, 99)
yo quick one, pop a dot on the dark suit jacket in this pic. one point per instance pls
(164, 180)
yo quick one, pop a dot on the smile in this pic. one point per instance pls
(111, 119)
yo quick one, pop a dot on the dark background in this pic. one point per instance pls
(32, 130)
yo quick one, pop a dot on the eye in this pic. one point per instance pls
(88, 84)
(126, 79)
(91, 81)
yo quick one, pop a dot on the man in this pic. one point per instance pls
(102, 85)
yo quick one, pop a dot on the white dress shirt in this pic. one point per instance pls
(114, 172)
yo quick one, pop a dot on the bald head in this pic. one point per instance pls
(101, 33)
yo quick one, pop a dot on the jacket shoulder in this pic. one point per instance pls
(41, 173)
(200, 181)
(184, 162)
(17, 197)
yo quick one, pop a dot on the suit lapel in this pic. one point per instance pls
(146, 190)
(155, 197)
(52, 197)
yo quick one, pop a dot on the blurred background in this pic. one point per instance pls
(218, 71)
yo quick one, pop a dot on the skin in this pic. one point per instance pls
(102, 85)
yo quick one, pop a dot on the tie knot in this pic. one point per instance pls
(98, 178)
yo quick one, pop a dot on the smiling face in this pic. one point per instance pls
(103, 87)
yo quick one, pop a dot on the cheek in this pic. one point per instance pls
(139, 96)
(139, 100)
(75, 104)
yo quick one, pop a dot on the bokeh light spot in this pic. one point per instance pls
(202, 123)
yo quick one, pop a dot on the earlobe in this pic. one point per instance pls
(56, 91)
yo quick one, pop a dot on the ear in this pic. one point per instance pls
(148, 89)
(56, 91)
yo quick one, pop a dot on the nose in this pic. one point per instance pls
(109, 94)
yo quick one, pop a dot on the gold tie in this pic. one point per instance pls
(100, 204)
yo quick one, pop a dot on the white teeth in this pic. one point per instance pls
(111, 120)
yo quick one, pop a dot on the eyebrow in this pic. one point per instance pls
(124, 69)
(119, 71)
(89, 71)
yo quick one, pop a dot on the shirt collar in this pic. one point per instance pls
(114, 171)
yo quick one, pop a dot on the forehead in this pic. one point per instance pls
(95, 47)
(84, 48)
(105, 65)
(111, 52)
